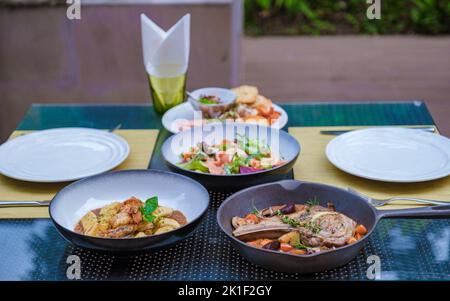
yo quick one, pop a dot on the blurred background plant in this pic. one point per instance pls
(325, 17)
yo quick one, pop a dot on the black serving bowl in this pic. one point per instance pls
(278, 140)
(176, 191)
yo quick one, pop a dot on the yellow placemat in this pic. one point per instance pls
(141, 144)
(313, 166)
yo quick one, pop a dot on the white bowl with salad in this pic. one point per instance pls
(233, 155)
(212, 102)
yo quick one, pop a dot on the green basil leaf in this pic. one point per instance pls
(149, 218)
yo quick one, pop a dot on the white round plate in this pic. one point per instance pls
(60, 155)
(185, 111)
(391, 154)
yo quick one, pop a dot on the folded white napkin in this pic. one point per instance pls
(166, 48)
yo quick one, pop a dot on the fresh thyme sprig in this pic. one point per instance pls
(255, 210)
(312, 202)
(290, 221)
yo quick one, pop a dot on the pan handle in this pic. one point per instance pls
(440, 211)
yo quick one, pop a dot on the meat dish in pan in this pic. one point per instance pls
(298, 228)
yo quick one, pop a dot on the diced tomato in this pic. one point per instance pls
(252, 217)
(265, 241)
(361, 229)
(298, 251)
(255, 243)
(264, 110)
(213, 168)
(273, 117)
(279, 163)
(222, 158)
(286, 247)
(255, 163)
(351, 240)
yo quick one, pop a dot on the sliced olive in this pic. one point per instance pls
(288, 208)
(273, 245)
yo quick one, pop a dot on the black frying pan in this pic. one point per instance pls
(278, 193)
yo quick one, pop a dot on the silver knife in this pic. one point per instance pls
(430, 129)
(24, 203)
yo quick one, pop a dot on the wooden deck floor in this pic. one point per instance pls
(296, 69)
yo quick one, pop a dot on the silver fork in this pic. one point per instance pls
(24, 203)
(382, 202)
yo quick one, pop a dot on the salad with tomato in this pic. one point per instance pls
(241, 156)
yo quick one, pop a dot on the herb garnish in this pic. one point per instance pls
(149, 207)
(300, 246)
(255, 210)
(296, 224)
(312, 202)
(209, 100)
(314, 228)
(290, 221)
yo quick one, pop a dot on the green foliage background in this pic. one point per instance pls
(317, 17)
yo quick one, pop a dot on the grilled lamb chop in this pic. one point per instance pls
(334, 229)
(318, 226)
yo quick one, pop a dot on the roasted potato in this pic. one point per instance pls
(164, 229)
(97, 229)
(162, 211)
(108, 211)
(120, 219)
(88, 220)
(164, 222)
(291, 238)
